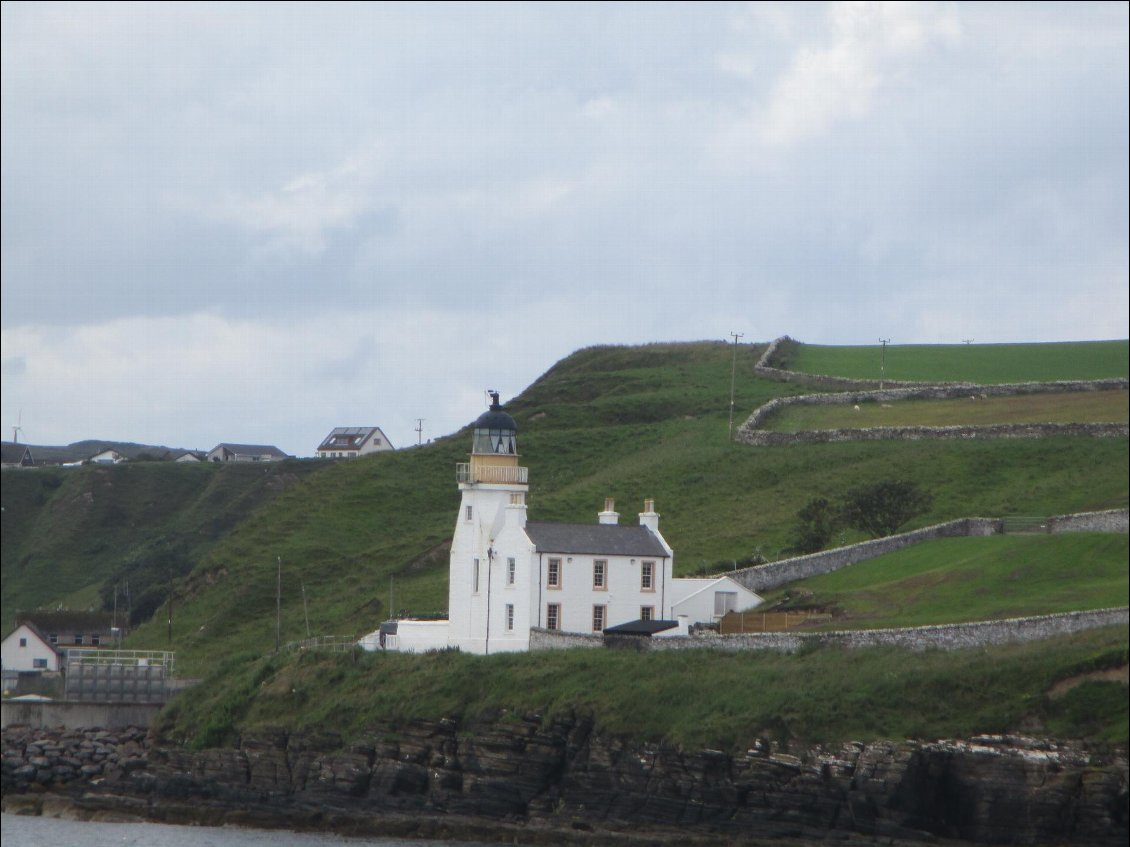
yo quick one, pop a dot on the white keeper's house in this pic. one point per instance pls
(509, 574)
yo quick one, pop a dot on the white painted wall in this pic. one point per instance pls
(418, 636)
(695, 597)
(23, 658)
(622, 595)
(491, 533)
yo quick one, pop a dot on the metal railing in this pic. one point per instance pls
(491, 473)
(324, 643)
(127, 658)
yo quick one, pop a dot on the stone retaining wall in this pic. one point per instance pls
(750, 431)
(938, 637)
(546, 639)
(764, 438)
(764, 369)
(764, 577)
(1112, 520)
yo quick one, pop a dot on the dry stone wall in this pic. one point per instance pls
(856, 391)
(764, 577)
(546, 639)
(938, 637)
(751, 432)
(763, 368)
(1112, 520)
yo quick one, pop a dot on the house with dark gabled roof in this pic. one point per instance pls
(15, 455)
(41, 638)
(508, 575)
(226, 452)
(347, 442)
(27, 648)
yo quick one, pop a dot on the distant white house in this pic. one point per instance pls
(27, 649)
(347, 442)
(508, 575)
(226, 452)
(188, 456)
(107, 457)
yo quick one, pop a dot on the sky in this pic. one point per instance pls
(255, 222)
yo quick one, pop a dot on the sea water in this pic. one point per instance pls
(29, 831)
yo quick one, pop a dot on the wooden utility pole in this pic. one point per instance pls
(278, 607)
(883, 362)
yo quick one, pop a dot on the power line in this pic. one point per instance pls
(419, 431)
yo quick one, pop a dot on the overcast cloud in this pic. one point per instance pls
(255, 222)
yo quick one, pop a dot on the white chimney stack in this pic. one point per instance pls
(609, 515)
(649, 517)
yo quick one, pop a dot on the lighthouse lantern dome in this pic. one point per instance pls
(495, 431)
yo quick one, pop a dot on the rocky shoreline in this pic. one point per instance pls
(535, 781)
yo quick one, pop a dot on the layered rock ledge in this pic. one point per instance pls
(558, 781)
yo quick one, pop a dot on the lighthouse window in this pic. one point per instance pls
(553, 616)
(509, 617)
(468, 512)
(553, 575)
(511, 570)
(475, 577)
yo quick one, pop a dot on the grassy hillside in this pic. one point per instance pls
(66, 532)
(623, 422)
(693, 698)
(980, 363)
(968, 579)
(626, 422)
(1081, 407)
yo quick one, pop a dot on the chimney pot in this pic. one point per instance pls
(609, 515)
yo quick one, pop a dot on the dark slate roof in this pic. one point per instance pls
(641, 627)
(597, 539)
(67, 621)
(349, 437)
(251, 449)
(14, 454)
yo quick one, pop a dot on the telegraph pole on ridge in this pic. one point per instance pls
(733, 371)
(883, 362)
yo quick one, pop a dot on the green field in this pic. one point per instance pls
(1080, 407)
(694, 698)
(968, 579)
(979, 363)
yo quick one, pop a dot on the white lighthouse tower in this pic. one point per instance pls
(489, 585)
